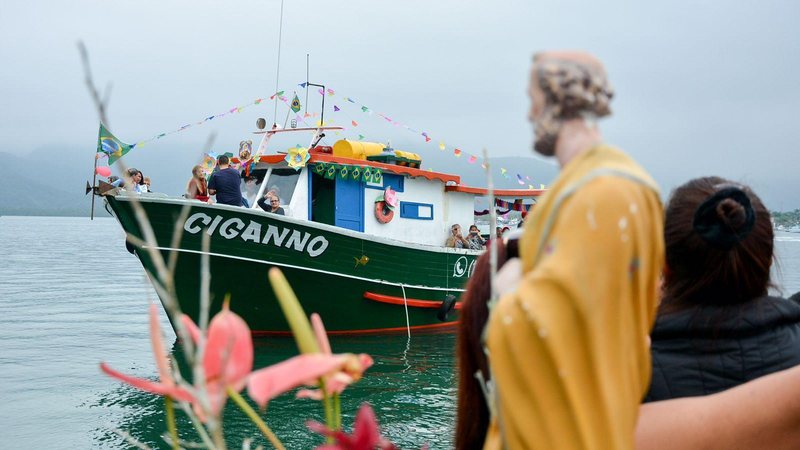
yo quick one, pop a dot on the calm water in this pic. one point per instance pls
(72, 296)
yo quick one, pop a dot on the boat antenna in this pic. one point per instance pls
(278, 70)
(322, 114)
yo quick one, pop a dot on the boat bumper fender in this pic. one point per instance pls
(447, 305)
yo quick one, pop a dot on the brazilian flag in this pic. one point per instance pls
(377, 176)
(344, 171)
(296, 104)
(330, 172)
(108, 143)
(319, 168)
(355, 173)
(367, 175)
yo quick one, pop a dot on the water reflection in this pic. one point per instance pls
(411, 387)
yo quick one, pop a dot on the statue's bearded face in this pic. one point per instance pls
(545, 127)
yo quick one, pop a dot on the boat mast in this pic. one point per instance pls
(278, 71)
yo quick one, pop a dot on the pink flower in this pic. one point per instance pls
(390, 197)
(337, 381)
(228, 356)
(166, 386)
(366, 434)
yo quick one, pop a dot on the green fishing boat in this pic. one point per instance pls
(361, 241)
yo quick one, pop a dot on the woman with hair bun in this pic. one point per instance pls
(717, 327)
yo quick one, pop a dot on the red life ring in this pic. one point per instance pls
(383, 213)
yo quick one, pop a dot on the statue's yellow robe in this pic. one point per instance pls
(569, 348)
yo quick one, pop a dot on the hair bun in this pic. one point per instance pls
(731, 213)
(725, 218)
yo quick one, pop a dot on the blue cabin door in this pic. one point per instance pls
(349, 204)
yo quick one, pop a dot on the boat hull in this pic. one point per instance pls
(334, 272)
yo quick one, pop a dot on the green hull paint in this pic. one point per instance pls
(318, 260)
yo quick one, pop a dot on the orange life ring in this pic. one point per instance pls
(383, 213)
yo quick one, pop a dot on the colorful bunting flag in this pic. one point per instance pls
(366, 175)
(441, 145)
(355, 124)
(472, 159)
(303, 85)
(108, 143)
(377, 176)
(330, 172)
(335, 108)
(321, 92)
(330, 92)
(364, 108)
(344, 171)
(296, 104)
(457, 152)
(277, 94)
(355, 173)
(519, 180)
(360, 137)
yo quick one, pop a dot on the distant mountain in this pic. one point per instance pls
(37, 186)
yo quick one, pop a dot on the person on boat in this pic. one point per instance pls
(226, 183)
(580, 312)
(271, 204)
(131, 181)
(475, 240)
(197, 187)
(456, 240)
(146, 184)
(717, 327)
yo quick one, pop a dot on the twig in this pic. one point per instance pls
(130, 439)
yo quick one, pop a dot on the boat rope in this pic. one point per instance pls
(278, 67)
(405, 301)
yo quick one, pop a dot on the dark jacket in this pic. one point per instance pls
(706, 350)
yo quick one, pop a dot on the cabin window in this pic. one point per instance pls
(283, 181)
(418, 211)
(389, 179)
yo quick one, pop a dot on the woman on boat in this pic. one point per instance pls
(475, 240)
(197, 187)
(130, 181)
(717, 327)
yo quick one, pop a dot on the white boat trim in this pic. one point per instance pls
(321, 226)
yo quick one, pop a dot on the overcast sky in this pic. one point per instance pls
(703, 87)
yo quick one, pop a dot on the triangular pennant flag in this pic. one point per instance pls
(364, 108)
(321, 92)
(472, 159)
(355, 124)
(441, 145)
(530, 186)
(330, 92)
(503, 171)
(335, 108)
(541, 186)
(519, 180)
(457, 152)
(302, 85)
(108, 143)
(258, 101)
(360, 137)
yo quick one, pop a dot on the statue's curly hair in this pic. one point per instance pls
(573, 89)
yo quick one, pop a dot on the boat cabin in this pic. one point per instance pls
(345, 186)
